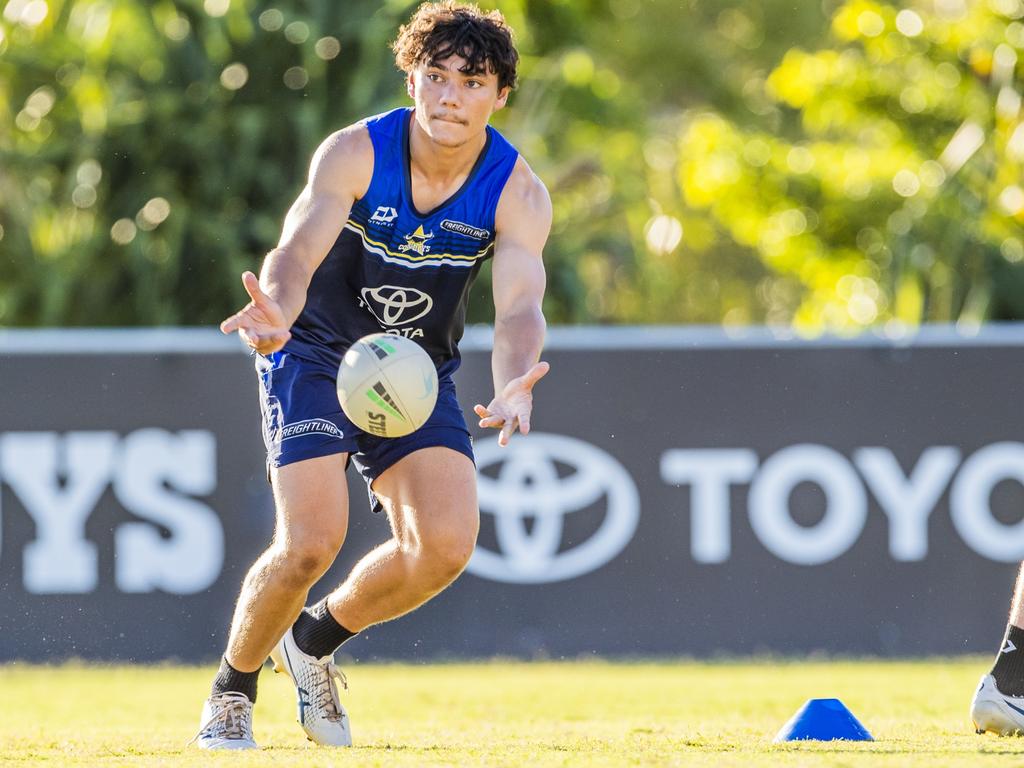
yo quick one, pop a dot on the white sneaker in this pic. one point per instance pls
(993, 712)
(321, 714)
(226, 723)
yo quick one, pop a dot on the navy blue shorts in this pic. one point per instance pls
(302, 419)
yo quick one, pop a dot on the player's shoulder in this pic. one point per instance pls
(347, 144)
(525, 197)
(346, 157)
(358, 139)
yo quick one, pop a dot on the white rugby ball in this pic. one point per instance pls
(387, 385)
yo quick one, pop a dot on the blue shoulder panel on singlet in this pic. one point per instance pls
(400, 270)
(458, 232)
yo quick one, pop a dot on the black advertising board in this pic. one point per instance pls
(683, 492)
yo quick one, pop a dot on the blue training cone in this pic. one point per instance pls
(823, 720)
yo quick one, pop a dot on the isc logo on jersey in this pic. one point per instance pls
(395, 307)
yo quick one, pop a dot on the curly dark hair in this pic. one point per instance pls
(448, 28)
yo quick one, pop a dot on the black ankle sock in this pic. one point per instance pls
(230, 679)
(317, 633)
(1009, 667)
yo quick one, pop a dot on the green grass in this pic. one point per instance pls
(513, 714)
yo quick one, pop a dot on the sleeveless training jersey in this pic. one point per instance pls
(396, 269)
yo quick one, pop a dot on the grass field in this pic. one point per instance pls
(513, 714)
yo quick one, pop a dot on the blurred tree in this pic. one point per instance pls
(606, 87)
(149, 150)
(888, 188)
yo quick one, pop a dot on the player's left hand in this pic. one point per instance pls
(511, 408)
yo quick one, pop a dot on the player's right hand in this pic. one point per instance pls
(260, 323)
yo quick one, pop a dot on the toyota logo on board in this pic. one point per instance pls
(395, 305)
(528, 486)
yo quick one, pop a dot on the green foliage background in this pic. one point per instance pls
(709, 161)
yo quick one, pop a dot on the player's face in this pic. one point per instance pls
(453, 107)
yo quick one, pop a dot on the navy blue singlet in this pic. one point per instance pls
(396, 269)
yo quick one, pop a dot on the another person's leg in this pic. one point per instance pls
(998, 704)
(311, 498)
(1008, 669)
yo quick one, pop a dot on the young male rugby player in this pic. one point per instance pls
(399, 212)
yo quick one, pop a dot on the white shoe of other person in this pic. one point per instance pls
(993, 712)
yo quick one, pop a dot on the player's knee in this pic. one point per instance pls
(448, 552)
(306, 560)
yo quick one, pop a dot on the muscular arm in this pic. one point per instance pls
(522, 224)
(339, 174)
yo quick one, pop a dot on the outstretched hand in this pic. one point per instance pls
(260, 323)
(511, 408)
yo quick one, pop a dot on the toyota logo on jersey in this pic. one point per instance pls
(395, 305)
